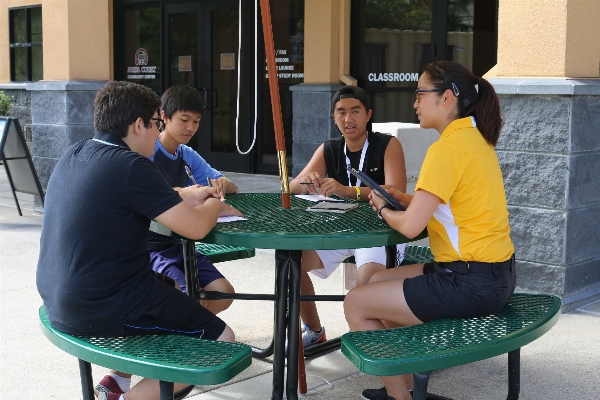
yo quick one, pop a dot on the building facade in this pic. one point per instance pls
(543, 57)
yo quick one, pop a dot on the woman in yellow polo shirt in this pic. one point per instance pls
(460, 198)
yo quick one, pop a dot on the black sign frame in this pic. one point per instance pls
(17, 160)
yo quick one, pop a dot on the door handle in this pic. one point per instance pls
(211, 103)
(204, 93)
(215, 96)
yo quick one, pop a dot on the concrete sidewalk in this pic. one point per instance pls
(563, 364)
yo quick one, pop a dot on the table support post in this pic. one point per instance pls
(391, 257)
(421, 381)
(295, 260)
(514, 374)
(87, 383)
(281, 292)
(166, 390)
(190, 268)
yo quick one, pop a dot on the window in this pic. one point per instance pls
(26, 44)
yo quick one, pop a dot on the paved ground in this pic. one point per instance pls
(563, 364)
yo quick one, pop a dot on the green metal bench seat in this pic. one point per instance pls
(167, 358)
(218, 253)
(420, 349)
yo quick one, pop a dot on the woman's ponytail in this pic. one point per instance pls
(476, 96)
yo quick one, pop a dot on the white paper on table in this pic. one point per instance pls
(316, 197)
(230, 218)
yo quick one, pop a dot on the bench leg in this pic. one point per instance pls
(421, 381)
(87, 383)
(514, 374)
(166, 390)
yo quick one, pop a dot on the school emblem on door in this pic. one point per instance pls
(141, 57)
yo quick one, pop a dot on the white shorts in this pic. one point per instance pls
(331, 259)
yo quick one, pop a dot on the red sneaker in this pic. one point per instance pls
(109, 396)
(108, 386)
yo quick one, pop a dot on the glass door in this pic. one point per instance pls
(201, 50)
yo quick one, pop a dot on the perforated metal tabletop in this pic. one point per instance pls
(269, 226)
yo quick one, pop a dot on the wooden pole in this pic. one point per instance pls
(275, 103)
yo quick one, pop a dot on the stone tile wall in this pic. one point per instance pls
(62, 113)
(549, 151)
(313, 123)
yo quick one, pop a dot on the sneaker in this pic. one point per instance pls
(310, 337)
(109, 396)
(108, 386)
(378, 394)
(375, 394)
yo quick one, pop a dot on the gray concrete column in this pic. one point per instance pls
(549, 152)
(62, 113)
(313, 123)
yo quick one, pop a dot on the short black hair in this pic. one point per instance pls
(350, 92)
(118, 104)
(182, 98)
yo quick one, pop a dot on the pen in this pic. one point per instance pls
(189, 174)
(307, 183)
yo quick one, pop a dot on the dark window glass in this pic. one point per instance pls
(20, 63)
(393, 40)
(19, 26)
(37, 70)
(141, 47)
(36, 24)
(26, 44)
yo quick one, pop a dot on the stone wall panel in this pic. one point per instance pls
(48, 107)
(538, 234)
(583, 235)
(585, 123)
(534, 179)
(535, 123)
(540, 278)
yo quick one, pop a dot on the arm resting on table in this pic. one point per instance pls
(192, 222)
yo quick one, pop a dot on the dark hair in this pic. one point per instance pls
(350, 92)
(118, 104)
(181, 98)
(476, 96)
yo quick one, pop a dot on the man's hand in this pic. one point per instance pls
(196, 195)
(330, 186)
(311, 183)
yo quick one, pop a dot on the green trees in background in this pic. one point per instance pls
(5, 104)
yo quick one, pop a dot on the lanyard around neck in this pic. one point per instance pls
(362, 159)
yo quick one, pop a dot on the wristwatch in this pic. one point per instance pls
(381, 209)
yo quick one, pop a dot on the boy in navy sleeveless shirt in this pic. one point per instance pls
(381, 157)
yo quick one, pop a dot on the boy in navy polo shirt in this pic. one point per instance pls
(93, 273)
(182, 109)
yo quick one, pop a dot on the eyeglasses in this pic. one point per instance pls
(160, 124)
(419, 91)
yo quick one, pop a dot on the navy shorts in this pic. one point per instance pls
(169, 262)
(175, 312)
(460, 289)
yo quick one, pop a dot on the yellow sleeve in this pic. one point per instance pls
(441, 171)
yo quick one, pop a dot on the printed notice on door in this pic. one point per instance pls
(185, 63)
(227, 61)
